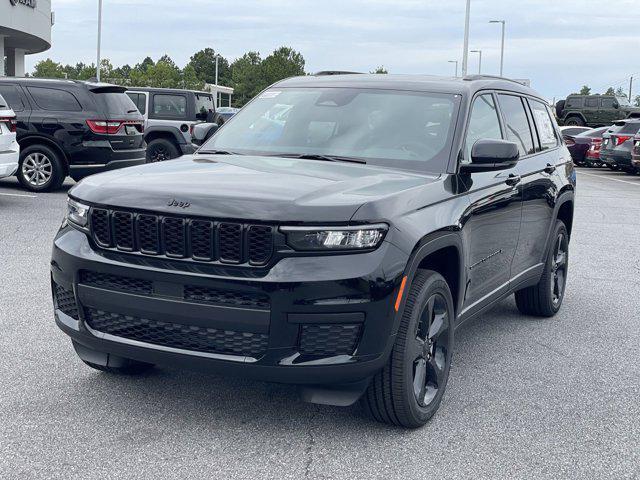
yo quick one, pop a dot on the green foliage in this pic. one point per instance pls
(585, 90)
(610, 91)
(380, 70)
(248, 75)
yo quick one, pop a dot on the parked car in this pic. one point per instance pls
(9, 148)
(339, 249)
(617, 143)
(594, 110)
(71, 128)
(585, 146)
(223, 114)
(573, 131)
(169, 116)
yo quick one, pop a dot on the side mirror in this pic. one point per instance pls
(489, 155)
(616, 105)
(202, 132)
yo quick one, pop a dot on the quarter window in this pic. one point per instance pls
(517, 124)
(54, 99)
(544, 124)
(170, 106)
(12, 97)
(483, 123)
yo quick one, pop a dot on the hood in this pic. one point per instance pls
(248, 187)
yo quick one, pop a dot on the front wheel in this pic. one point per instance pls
(41, 169)
(574, 122)
(161, 149)
(545, 298)
(409, 389)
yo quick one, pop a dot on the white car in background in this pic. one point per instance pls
(9, 148)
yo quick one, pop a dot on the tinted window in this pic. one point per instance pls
(483, 123)
(115, 103)
(12, 97)
(140, 99)
(170, 106)
(544, 125)
(54, 99)
(204, 105)
(591, 102)
(574, 102)
(608, 102)
(517, 125)
(398, 129)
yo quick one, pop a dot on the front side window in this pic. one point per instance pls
(483, 123)
(516, 123)
(170, 106)
(54, 99)
(400, 129)
(544, 125)
(608, 102)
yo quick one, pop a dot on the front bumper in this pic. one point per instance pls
(314, 306)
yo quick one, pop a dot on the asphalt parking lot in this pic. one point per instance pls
(527, 398)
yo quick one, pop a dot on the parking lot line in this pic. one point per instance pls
(637, 184)
(17, 195)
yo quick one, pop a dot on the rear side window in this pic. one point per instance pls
(483, 123)
(608, 102)
(140, 99)
(517, 124)
(12, 97)
(170, 106)
(55, 99)
(115, 103)
(544, 125)
(574, 102)
(204, 105)
(591, 102)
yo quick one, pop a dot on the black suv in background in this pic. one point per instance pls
(338, 247)
(72, 128)
(169, 116)
(594, 110)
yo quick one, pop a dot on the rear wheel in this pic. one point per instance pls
(161, 149)
(409, 389)
(574, 122)
(41, 169)
(545, 298)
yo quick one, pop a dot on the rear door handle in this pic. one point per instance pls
(513, 179)
(549, 168)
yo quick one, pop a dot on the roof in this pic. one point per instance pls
(166, 90)
(424, 83)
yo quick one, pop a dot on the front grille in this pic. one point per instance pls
(66, 301)
(215, 296)
(116, 282)
(329, 339)
(174, 335)
(181, 237)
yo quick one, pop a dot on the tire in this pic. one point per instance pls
(560, 107)
(391, 396)
(545, 298)
(574, 122)
(131, 367)
(161, 149)
(40, 169)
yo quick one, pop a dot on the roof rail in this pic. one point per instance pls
(470, 78)
(334, 72)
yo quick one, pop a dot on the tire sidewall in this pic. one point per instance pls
(168, 145)
(559, 228)
(57, 172)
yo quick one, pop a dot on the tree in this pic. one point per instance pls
(283, 63)
(380, 70)
(621, 93)
(610, 91)
(190, 79)
(204, 65)
(144, 66)
(585, 90)
(48, 69)
(247, 78)
(164, 74)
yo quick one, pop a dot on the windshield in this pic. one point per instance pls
(410, 130)
(623, 101)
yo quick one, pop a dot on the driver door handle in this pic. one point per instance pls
(512, 179)
(549, 168)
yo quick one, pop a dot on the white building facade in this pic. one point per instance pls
(25, 28)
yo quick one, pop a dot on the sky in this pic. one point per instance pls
(559, 45)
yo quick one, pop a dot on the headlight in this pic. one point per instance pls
(77, 213)
(335, 238)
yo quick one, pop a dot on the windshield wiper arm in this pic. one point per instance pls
(328, 158)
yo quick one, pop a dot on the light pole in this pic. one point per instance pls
(465, 52)
(456, 62)
(479, 52)
(502, 44)
(99, 37)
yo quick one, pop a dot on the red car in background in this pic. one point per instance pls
(585, 147)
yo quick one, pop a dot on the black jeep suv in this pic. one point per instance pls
(338, 246)
(72, 128)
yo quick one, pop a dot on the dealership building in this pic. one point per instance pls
(25, 28)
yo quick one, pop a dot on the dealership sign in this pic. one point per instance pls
(28, 3)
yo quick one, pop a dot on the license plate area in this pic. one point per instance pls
(130, 130)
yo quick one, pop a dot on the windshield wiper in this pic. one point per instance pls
(327, 158)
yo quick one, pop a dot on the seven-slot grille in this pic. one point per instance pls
(180, 237)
